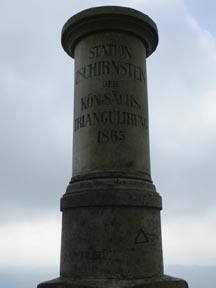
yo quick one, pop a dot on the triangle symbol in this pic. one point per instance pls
(141, 237)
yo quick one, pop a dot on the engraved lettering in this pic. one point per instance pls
(111, 98)
(109, 50)
(96, 255)
(113, 136)
(112, 67)
(119, 182)
(110, 84)
(91, 52)
(110, 117)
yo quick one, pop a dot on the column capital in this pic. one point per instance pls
(109, 18)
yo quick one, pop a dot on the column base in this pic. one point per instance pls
(163, 281)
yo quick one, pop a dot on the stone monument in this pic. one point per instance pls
(111, 229)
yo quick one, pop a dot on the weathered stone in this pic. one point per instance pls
(111, 230)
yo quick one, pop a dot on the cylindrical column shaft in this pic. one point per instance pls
(110, 107)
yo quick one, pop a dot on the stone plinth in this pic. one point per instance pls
(111, 230)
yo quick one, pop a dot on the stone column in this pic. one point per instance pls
(111, 230)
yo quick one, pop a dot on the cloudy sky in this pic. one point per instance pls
(36, 104)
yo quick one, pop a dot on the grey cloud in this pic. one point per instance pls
(36, 108)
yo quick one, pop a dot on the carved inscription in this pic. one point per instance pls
(119, 182)
(111, 67)
(113, 136)
(109, 50)
(96, 255)
(110, 59)
(113, 97)
(110, 84)
(110, 117)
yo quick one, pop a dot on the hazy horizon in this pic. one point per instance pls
(29, 277)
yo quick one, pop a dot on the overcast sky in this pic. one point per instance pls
(36, 104)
